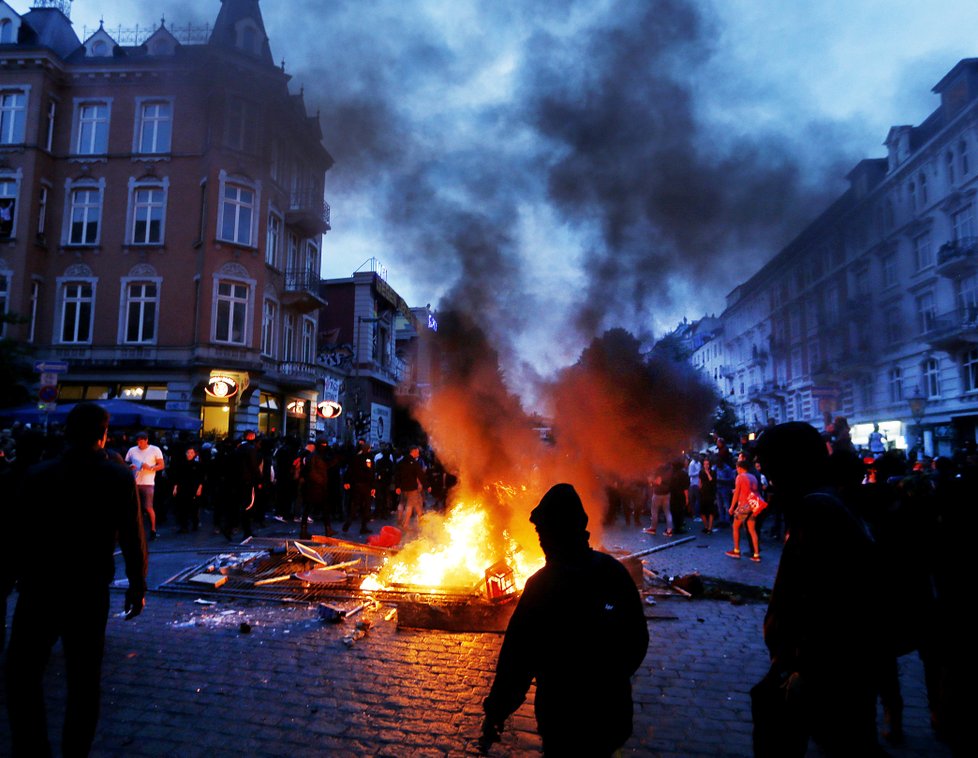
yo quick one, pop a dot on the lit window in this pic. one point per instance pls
(154, 127)
(92, 129)
(232, 312)
(85, 212)
(142, 303)
(13, 114)
(148, 206)
(77, 304)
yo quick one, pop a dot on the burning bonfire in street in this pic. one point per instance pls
(462, 551)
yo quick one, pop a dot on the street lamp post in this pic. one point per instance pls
(918, 403)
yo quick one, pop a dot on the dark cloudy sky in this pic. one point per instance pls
(562, 167)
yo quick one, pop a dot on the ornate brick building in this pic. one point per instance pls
(162, 215)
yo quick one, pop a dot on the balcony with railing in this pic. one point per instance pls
(302, 290)
(958, 257)
(954, 330)
(308, 213)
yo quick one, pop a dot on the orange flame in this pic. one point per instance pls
(453, 552)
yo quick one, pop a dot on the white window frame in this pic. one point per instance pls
(926, 306)
(930, 372)
(92, 149)
(13, 181)
(248, 303)
(35, 301)
(83, 185)
(143, 121)
(288, 337)
(923, 251)
(125, 299)
(43, 196)
(969, 370)
(273, 240)
(894, 383)
(307, 343)
(963, 222)
(50, 116)
(239, 182)
(63, 283)
(13, 129)
(135, 187)
(269, 323)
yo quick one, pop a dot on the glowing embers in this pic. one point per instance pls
(454, 553)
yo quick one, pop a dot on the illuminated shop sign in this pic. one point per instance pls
(221, 387)
(330, 409)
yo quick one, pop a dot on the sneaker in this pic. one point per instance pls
(649, 531)
(668, 532)
(732, 553)
(756, 557)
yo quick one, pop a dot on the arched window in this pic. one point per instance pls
(6, 32)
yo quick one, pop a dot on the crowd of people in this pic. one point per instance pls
(235, 486)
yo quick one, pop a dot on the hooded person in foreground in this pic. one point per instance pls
(579, 629)
(822, 626)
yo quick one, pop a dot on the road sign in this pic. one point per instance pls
(54, 367)
(48, 393)
(48, 378)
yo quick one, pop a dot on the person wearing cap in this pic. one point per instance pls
(579, 630)
(91, 496)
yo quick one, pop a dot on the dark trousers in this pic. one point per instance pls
(39, 621)
(359, 506)
(187, 510)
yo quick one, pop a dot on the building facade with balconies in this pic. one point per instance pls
(162, 214)
(362, 322)
(872, 311)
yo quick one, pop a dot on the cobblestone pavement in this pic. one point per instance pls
(188, 680)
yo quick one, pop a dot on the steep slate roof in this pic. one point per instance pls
(50, 28)
(234, 11)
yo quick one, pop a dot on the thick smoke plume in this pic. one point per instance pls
(618, 414)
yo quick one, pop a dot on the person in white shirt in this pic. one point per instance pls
(693, 470)
(145, 460)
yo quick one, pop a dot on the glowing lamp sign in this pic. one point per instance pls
(221, 387)
(330, 409)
